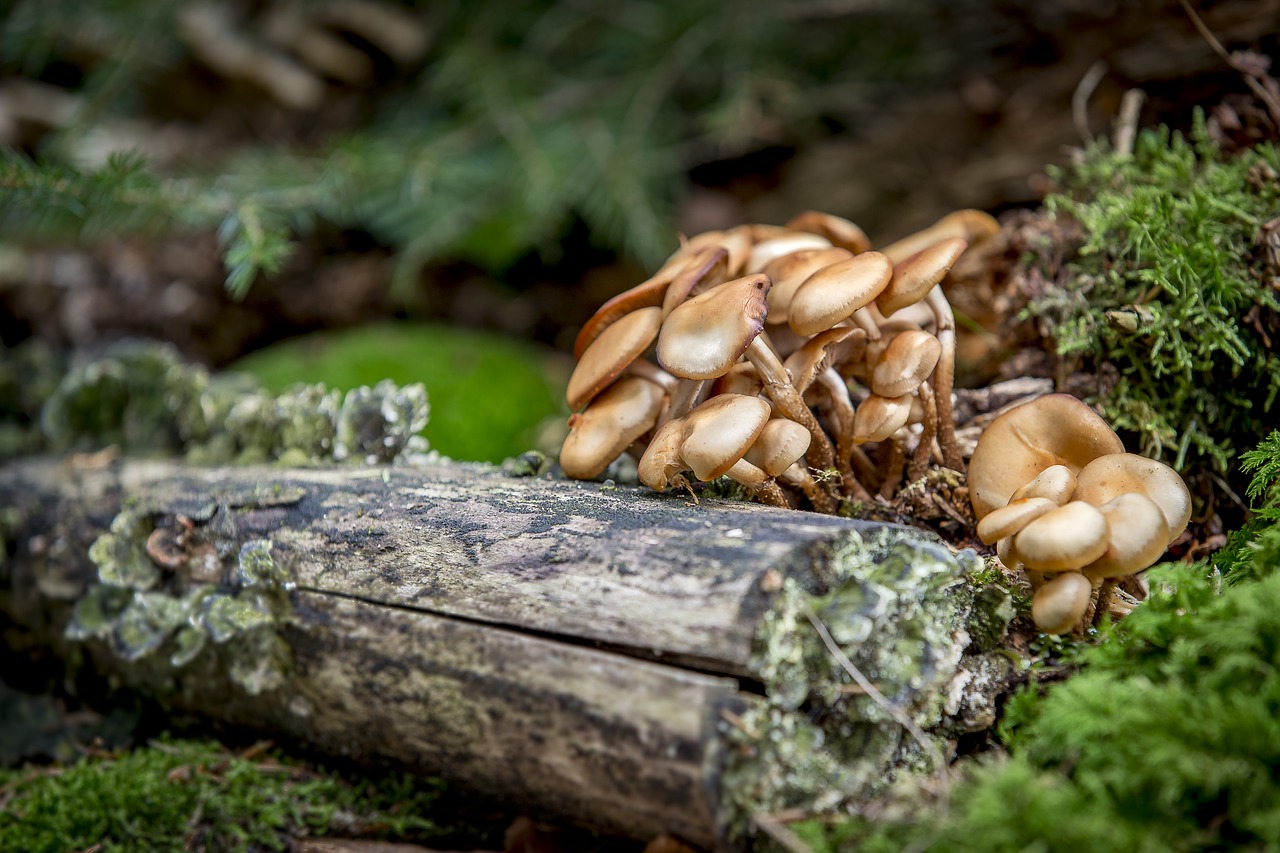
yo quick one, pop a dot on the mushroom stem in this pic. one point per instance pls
(685, 398)
(944, 377)
(798, 477)
(894, 463)
(769, 493)
(920, 459)
(1103, 604)
(846, 449)
(777, 385)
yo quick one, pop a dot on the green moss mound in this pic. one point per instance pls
(488, 395)
(1170, 297)
(192, 795)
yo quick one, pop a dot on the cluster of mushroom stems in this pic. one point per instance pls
(1054, 490)
(778, 356)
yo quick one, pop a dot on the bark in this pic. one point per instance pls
(576, 649)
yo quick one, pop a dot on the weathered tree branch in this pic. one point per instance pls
(594, 653)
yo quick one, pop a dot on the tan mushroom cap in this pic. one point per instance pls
(1008, 520)
(742, 378)
(1056, 429)
(792, 270)
(1008, 554)
(610, 353)
(834, 292)
(1067, 538)
(914, 277)
(704, 269)
(840, 231)
(767, 251)
(780, 445)
(1139, 535)
(1056, 483)
(661, 461)
(1110, 476)
(719, 432)
(817, 354)
(877, 417)
(1059, 605)
(703, 337)
(736, 241)
(905, 363)
(622, 413)
(973, 226)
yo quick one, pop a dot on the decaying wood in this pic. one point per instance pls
(573, 648)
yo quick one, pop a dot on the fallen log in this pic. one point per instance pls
(628, 661)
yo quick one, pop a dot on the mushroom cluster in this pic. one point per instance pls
(778, 354)
(1054, 490)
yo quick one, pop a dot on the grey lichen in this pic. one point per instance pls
(376, 424)
(139, 610)
(899, 606)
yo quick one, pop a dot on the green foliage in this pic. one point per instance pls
(520, 117)
(1167, 740)
(488, 395)
(178, 794)
(1163, 287)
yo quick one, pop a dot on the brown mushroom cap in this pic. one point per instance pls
(780, 444)
(834, 292)
(703, 270)
(877, 417)
(719, 432)
(1056, 483)
(973, 226)
(840, 231)
(1110, 476)
(742, 378)
(619, 415)
(703, 337)
(792, 270)
(661, 461)
(1067, 538)
(1058, 606)
(1139, 535)
(1008, 520)
(736, 241)
(818, 353)
(914, 277)
(1056, 429)
(610, 353)
(905, 363)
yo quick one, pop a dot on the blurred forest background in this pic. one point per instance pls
(231, 174)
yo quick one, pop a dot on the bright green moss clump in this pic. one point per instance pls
(1170, 297)
(1167, 740)
(176, 795)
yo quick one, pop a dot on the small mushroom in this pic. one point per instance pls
(835, 292)
(790, 271)
(877, 417)
(1059, 605)
(1056, 483)
(766, 251)
(840, 231)
(1066, 538)
(1056, 429)
(1008, 520)
(1110, 476)
(707, 441)
(972, 226)
(610, 353)
(908, 360)
(705, 268)
(622, 413)
(1139, 535)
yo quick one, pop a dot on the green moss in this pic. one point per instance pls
(488, 394)
(1169, 297)
(178, 795)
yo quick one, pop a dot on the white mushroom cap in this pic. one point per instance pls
(834, 292)
(781, 443)
(1056, 429)
(1058, 606)
(703, 337)
(1008, 520)
(877, 417)
(610, 353)
(719, 432)
(905, 363)
(1139, 535)
(1056, 483)
(622, 413)
(766, 251)
(1067, 538)
(1110, 476)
